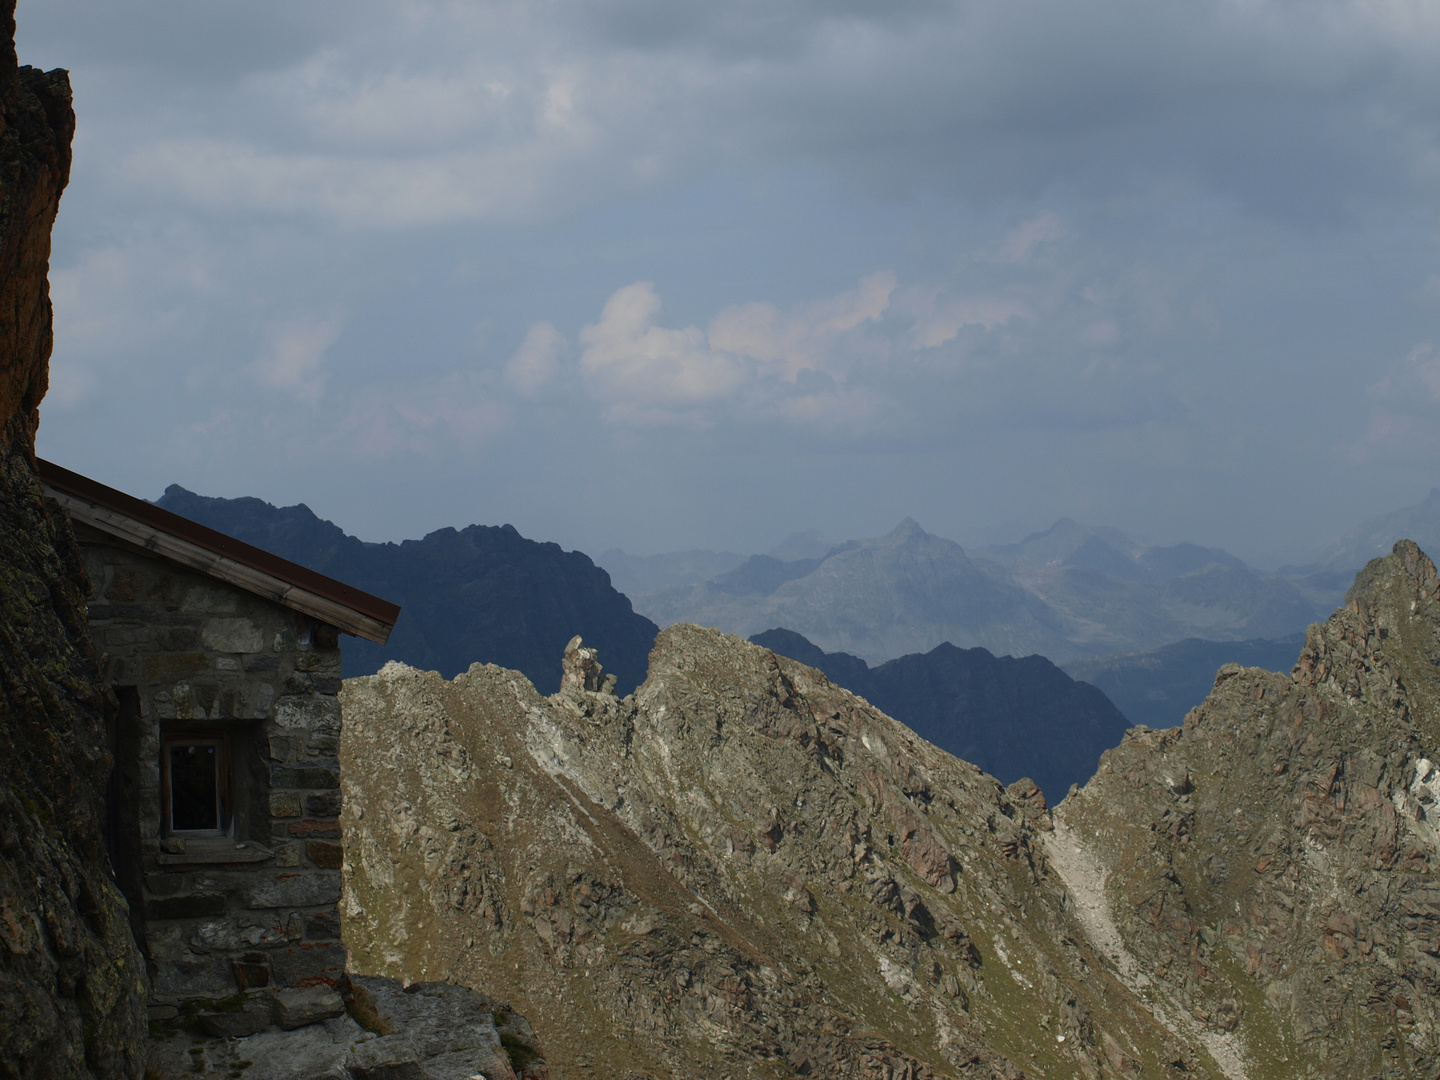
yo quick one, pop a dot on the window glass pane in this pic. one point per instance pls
(193, 787)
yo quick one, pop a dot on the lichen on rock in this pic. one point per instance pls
(71, 979)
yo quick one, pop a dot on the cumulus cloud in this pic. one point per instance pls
(750, 361)
(647, 372)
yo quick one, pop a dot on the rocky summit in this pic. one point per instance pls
(740, 870)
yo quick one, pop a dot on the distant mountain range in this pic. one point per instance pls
(480, 594)
(1374, 538)
(1157, 687)
(1012, 717)
(1066, 593)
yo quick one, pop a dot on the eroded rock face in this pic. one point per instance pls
(34, 168)
(740, 870)
(71, 979)
(1271, 865)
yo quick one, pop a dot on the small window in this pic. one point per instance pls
(195, 785)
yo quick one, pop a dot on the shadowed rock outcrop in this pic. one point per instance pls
(71, 979)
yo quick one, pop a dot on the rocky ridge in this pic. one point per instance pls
(739, 870)
(1269, 867)
(1014, 717)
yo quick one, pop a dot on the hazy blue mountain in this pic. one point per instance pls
(1374, 538)
(1058, 543)
(809, 544)
(1067, 592)
(482, 593)
(637, 574)
(1158, 687)
(904, 592)
(1012, 717)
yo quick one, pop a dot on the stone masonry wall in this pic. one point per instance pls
(254, 912)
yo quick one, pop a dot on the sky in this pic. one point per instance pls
(662, 275)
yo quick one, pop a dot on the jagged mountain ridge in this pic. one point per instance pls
(1065, 593)
(482, 593)
(1014, 718)
(1270, 866)
(742, 870)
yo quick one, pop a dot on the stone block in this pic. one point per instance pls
(262, 663)
(294, 890)
(322, 925)
(232, 636)
(319, 830)
(210, 600)
(169, 884)
(177, 638)
(282, 776)
(166, 943)
(323, 806)
(322, 746)
(324, 854)
(249, 1020)
(172, 667)
(130, 635)
(234, 935)
(251, 975)
(325, 660)
(309, 965)
(287, 855)
(313, 712)
(298, 1007)
(185, 907)
(284, 804)
(192, 977)
(326, 684)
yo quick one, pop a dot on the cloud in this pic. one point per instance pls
(295, 356)
(433, 112)
(1021, 243)
(649, 373)
(537, 362)
(749, 363)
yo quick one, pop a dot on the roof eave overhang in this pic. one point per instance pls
(147, 531)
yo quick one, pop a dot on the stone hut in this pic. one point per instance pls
(224, 807)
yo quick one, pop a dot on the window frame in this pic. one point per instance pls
(223, 807)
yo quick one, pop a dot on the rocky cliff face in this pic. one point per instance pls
(71, 979)
(741, 870)
(1269, 868)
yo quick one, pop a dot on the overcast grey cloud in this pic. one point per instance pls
(666, 275)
